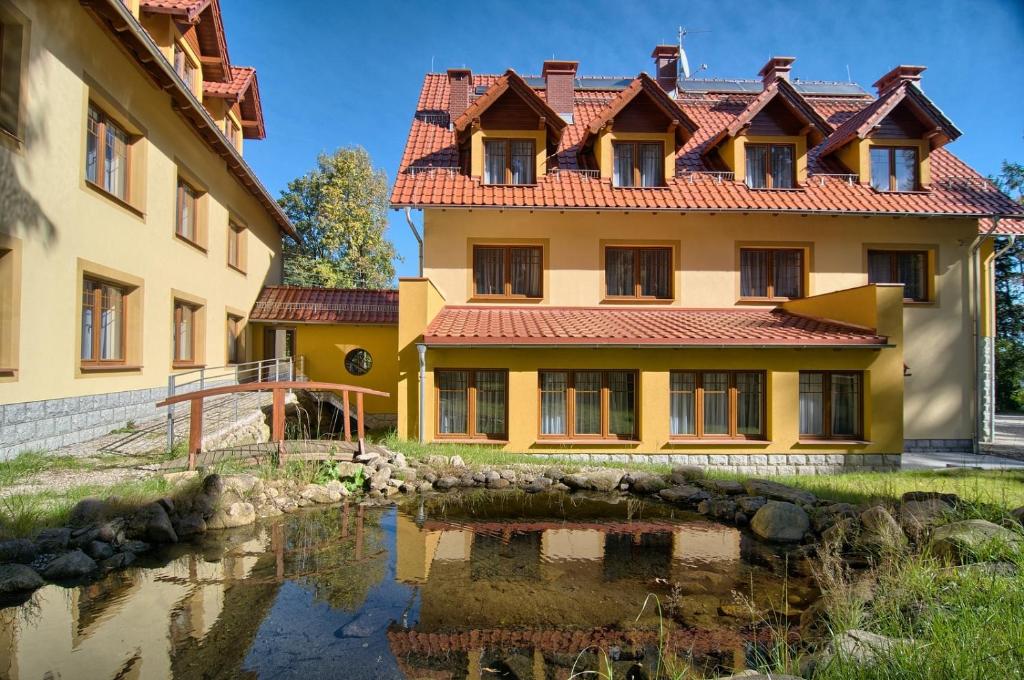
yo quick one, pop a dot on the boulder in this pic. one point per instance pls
(456, 461)
(243, 485)
(778, 492)
(236, 514)
(594, 480)
(499, 483)
(153, 524)
(379, 479)
(20, 550)
(98, 550)
(684, 494)
(780, 521)
(648, 484)
(1018, 514)
(719, 508)
(87, 511)
(319, 494)
(724, 487)
(958, 541)
(447, 482)
(191, 524)
(750, 504)
(860, 646)
(118, 561)
(72, 565)
(880, 531)
(916, 517)
(334, 486)
(681, 474)
(53, 540)
(135, 546)
(178, 478)
(950, 498)
(841, 533)
(406, 474)
(18, 578)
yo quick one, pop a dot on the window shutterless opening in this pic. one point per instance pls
(771, 273)
(234, 339)
(509, 161)
(186, 224)
(638, 272)
(894, 168)
(471, 404)
(508, 271)
(771, 166)
(107, 157)
(598, 404)
(909, 267)
(717, 404)
(831, 405)
(236, 246)
(184, 332)
(638, 164)
(104, 330)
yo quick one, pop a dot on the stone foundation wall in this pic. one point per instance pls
(52, 423)
(941, 445)
(755, 464)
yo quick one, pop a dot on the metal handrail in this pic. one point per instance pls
(849, 178)
(717, 176)
(421, 169)
(588, 173)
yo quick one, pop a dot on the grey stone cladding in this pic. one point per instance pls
(942, 445)
(52, 423)
(753, 464)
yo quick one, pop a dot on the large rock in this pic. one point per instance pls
(53, 540)
(191, 524)
(681, 474)
(320, 494)
(719, 508)
(778, 492)
(780, 521)
(725, 487)
(237, 514)
(1018, 514)
(243, 485)
(17, 578)
(87, 511)
(153, 524)
(379, 479)
(647, 484)
(916, 517)
(446, 482)
(958, 541)
(684, 494)
(72, 565)
(19, 550)
(880, 531)
(860, 646)
(594, 480)
(750, 504)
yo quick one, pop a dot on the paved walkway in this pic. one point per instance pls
(933, 461)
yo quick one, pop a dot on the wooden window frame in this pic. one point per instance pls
(637, 282)
(769, 179)
(733, 407)
(826, 410)
(893, 254)
(570, 407)
(636, 144)
(770, 284)
(508, 161)
(189, 70)
(175, 322)
(103, 119)
(471, 433)
(507, 284)
(97, 307)
(891, 152)
(237, 235)
(197, 240)
(235, 333)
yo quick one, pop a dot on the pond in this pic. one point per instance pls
(482, 585)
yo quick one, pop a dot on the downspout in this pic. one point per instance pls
(419, 239)
(980, 358)
(421, 349)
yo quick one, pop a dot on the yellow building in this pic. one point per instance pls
(134, 238)
(743, 273)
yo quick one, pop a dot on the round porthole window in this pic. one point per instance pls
(358, 362)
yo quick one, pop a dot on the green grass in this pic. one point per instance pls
(33, 463)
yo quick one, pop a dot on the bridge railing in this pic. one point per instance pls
(278, 388)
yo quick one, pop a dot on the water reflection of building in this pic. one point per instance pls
(113, 628)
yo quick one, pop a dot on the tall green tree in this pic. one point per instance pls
(1009, 294)
(339, 209)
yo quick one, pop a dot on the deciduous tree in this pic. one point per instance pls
(1009, 293)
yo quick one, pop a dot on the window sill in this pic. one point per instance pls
(636, 301)
(115, 199)
(189, 242)
(186, 364)
(833, 442)
(237, 269)
(723, 441)
(112, 368)
(8, 372)
(587, 442)
(440, 439)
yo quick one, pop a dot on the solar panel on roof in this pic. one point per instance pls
(723, 86)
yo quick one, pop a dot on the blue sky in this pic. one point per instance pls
(345, 73)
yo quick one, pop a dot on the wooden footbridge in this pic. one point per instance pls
(349, 446)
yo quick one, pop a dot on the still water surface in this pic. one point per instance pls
(485, 586)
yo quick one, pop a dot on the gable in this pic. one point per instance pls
(510, 112)
(642, 114)
(901, 123)
(775, 120)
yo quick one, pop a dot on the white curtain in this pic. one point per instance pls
(553, 391)
(748, 403)
(756, 167)
(753, 272)
(523, 162)
(618, 271)
(490, 402)
(92, 144)
(588, 402)
(787, 273)
(453, 389)
(716, 403)
(622, 403)
(622, 172)
(111, 320)
(782, 166)
(489, 271)
(494, 162)
(910, 269)
(682, 387)
(845, 405)
(651, 165)
(812, 404)
(116, 161)
(87, 322)
(526, 271)
(656, 272)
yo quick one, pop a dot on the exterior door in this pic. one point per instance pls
(278, 343)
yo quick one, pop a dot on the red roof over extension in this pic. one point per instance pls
(326, 305)
(533, 326)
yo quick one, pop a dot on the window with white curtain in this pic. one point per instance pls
(510, 161)
(909, 267)
(771, 272)
(716, 404)
(106, 153)
(638, 164)
(588, 404)
(770, 166)
(103, 322)
(508, 271)
(830, 405)
(472, 403)
(638, 272)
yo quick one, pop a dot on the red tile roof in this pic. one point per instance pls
(1005, 227)
(244, 89)
(533, 326)
(326, 305)
(426, 177)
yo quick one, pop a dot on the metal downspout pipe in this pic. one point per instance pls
(421, 349)
(419, 239)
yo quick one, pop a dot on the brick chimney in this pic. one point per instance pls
(896, 77)
(560, 85)
(460, 84)
(666, 66)
(777, 68)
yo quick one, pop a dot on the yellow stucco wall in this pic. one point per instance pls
(937, 335)
(323, 348)
(734, 152)
(60, 222)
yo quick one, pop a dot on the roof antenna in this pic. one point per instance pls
(684, 63)
(431, 64)
(849, 78)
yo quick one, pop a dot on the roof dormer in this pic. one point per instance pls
(508, 132)
(888, 143)
(766, 145)
(635, 138)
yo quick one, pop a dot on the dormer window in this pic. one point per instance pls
(894, 168)
(184, 67)
(638, 164)
(771, 166)
(509, 161)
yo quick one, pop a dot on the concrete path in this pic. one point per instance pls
(934, 461)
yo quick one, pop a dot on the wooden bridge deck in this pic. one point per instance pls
(293, 449)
